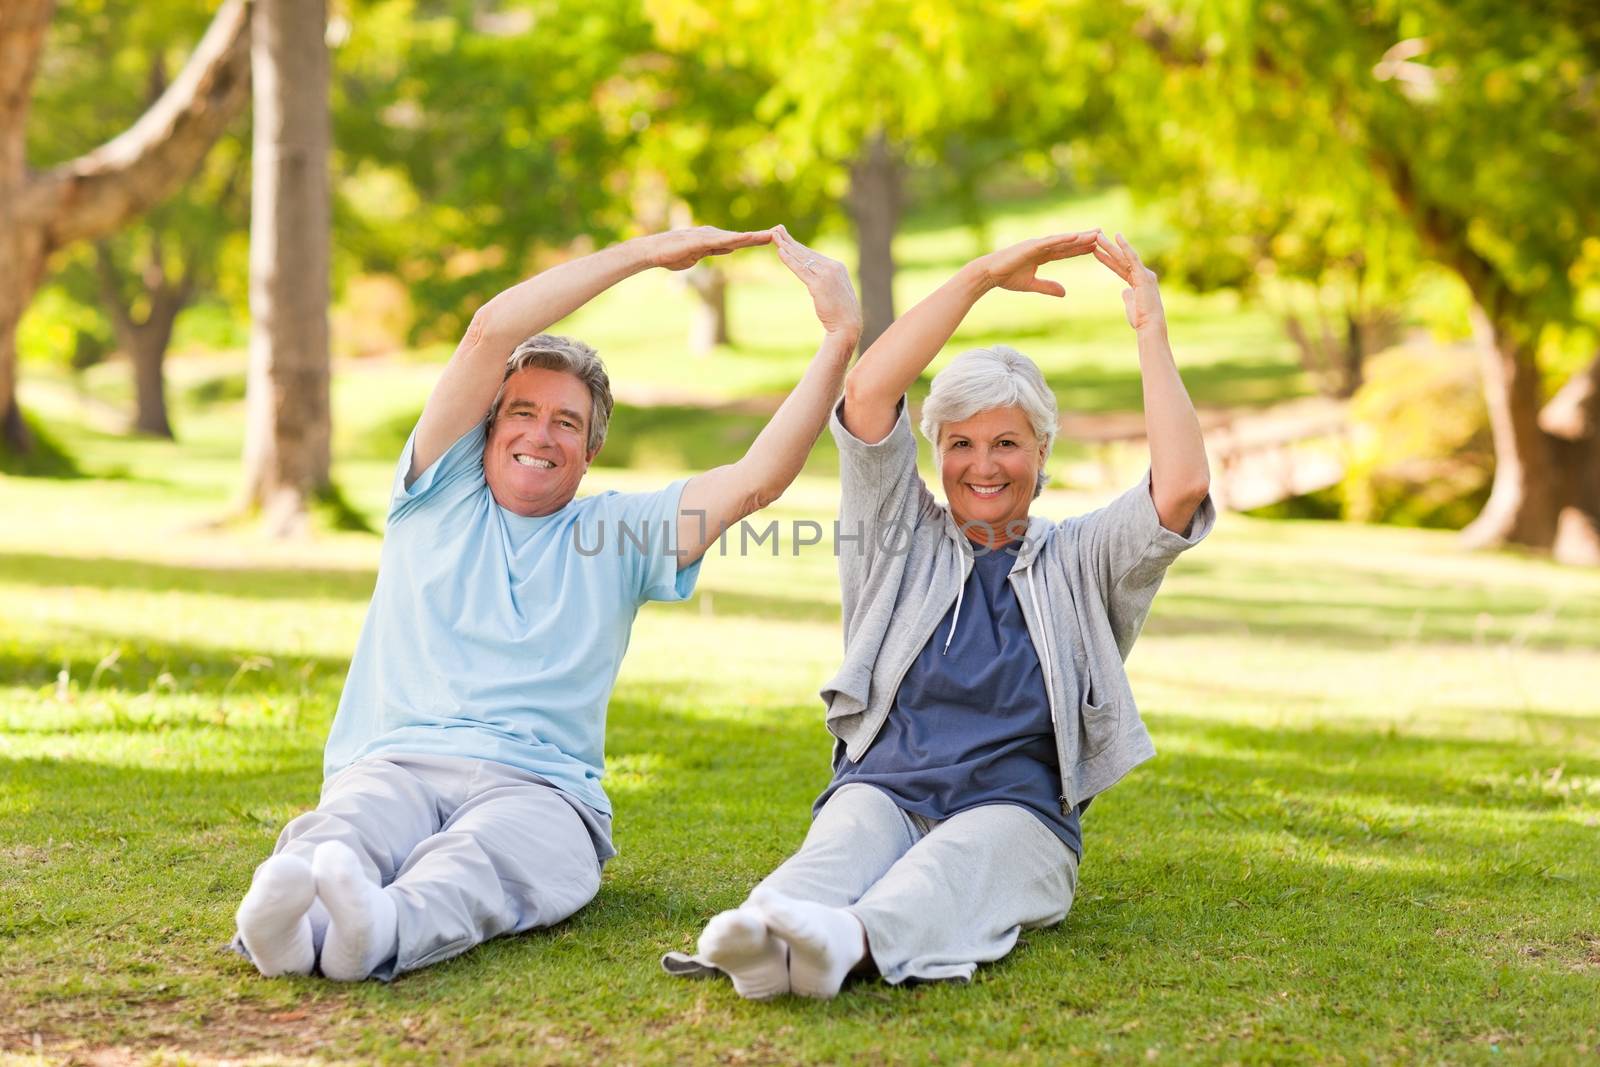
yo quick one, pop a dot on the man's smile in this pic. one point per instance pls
(532, 461)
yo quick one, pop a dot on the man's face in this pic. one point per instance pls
(537, 451)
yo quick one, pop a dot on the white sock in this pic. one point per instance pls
(824, 943)
(361, 918)
(272, 917)
(739, 944)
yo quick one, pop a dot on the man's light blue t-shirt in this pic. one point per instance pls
(498, 637)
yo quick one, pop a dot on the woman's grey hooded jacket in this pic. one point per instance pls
(1085, 586)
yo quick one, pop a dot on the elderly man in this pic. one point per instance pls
(462, 797)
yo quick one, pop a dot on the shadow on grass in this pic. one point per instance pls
(119, 685)
(1256, 883)
(249, 583)
(45, 458)
(1325, 607)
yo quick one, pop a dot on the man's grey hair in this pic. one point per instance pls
(549, 351)
(986, 378)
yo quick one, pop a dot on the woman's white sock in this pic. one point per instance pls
(825, 943)
(739, 944)
(272, 918)
(361, 917)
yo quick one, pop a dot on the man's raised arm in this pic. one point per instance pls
(472, 377)
(717, 499)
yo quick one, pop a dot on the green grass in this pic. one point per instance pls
(1371, 833)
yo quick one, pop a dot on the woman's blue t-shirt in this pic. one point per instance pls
(971, 725)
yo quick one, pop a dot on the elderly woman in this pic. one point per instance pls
(982, 702)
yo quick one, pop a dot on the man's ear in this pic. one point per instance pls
(589, 459)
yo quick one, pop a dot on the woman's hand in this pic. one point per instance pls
(682, 249)
(1016, 268)
(828, 282)
(1143, 297)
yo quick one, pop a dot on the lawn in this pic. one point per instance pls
(1372, 833)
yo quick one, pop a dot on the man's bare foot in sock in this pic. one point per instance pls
(739, 944)
(825, 944)
(361, 918)
(272, 918)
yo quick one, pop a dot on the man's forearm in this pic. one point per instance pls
(533, 305)
(778, 453)
(1178, 465)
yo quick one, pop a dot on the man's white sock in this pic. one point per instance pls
(272, 917)
(739, 944)
(361, 917)
(825, 943)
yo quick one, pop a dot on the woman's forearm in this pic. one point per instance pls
(903, 351)
(1179, 473)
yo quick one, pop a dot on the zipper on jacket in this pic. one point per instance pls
(967, 571)
(1049, 692)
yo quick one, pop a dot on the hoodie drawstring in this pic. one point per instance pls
(962, 588)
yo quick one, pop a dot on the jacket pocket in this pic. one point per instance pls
(1097, 725)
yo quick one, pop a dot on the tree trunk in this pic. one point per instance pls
(98, 192)
(875, 204)
(1544, 494)
(21, 261)
(286, 456)
(1572, 421)
(144, 341)
(1521, 509)
(709, 326)
(22, 29)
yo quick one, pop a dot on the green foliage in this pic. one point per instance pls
(1367, 132)
(473, 139)
(105, 62)
(1422, 454)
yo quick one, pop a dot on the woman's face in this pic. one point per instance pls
(989, 465)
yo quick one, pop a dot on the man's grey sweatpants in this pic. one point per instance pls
(937, 897)
(466, 849)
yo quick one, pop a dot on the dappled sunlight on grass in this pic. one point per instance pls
(1371, 824)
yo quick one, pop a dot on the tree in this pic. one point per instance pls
(92, 195)
(474, 144)
(109, 63)
(1470, 125)
(873, 89)
(287, 420)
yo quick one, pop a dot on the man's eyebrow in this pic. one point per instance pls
(515, 404)
(576, 416)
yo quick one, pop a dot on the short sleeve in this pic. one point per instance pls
(1129, 551)
(879, 487)
(458, 471)
(645, 529)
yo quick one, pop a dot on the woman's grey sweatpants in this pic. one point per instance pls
(937, 897)
(466, 849)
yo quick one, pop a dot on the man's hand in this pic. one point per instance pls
(1143, 297)
(829, 284)
(682, 249)
(1016, 268)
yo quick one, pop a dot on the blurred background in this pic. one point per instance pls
(239, 240)
(1376, 225)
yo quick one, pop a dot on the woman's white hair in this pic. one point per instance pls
(986, 378)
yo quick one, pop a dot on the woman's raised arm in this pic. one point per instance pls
(887, 369)
(1179, 474)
